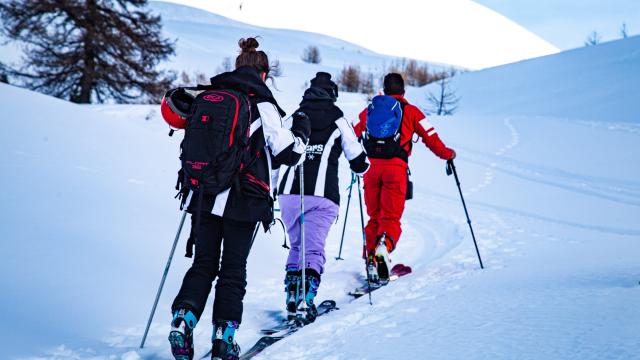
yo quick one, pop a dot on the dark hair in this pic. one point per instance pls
(393, 84)
(249, 56)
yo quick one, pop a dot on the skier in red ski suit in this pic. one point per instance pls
(385, 184)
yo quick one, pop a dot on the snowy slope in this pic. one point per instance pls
(80, 212)
(205, 39)
(459, 32)
(88, 220)
(590, 83)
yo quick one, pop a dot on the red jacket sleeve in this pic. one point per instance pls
(429, 136)
(361, 126)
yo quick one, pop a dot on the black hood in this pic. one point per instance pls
(322, 112)
(247, 80)
(323, 80)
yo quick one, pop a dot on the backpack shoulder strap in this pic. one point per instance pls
(199, 87)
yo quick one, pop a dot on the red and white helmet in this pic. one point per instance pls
(175, 107)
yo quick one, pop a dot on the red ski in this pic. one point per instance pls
(398, 271)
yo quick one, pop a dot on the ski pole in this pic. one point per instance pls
(364, 241)
(451, 169)
(255, 233)
(304, 265)
(164, 277)
(346, 216)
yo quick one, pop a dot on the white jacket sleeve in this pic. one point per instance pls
(284, 146)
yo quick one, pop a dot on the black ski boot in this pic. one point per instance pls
(312, 283)
(181, 335)
(224, 346)
(292, 288)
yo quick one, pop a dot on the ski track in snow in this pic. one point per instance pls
(489, 173)
(621, 191)
(442, 251)
(439, 249)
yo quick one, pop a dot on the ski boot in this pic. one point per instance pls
(372, 272)
(292, 288)
(312, 282)
(224, 346)
(382, 259)
(181, 335)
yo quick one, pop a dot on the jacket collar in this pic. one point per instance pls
(400, 98)
(247, 80)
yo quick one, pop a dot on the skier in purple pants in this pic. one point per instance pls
(331, 134)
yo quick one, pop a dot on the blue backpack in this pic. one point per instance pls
(382, 138)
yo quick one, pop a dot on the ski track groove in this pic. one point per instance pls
(620, 191)
(441, 251)
(489, 173)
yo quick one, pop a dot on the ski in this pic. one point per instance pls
(285, 325)
(398, 271)
(280, 332)
(268, 340)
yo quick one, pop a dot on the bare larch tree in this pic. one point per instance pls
(89, 50)
(311, 54)
(593, 39)
(624, 31)
(445, 102)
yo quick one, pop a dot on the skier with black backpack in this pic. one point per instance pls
(386, 129)
(233, 140)
(331, 135)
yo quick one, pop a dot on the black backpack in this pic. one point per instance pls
(215, 148)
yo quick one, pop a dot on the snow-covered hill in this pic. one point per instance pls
(590, 83)
(89, 216)
(204, 39)
(459, 32)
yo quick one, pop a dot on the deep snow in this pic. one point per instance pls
(89, 219)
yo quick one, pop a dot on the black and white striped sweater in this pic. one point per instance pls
(331, 135)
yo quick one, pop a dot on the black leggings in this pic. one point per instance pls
(231, 271)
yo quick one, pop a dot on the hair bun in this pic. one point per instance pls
(248, 44)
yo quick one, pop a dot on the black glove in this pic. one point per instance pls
(301, 126)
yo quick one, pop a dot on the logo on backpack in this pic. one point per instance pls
(215, 148)
(214, 98)
(382, 138)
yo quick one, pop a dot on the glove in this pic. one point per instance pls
(453, 154)
(301, 126)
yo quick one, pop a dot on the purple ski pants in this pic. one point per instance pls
(319, 214)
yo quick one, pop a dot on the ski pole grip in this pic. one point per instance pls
(449, 167)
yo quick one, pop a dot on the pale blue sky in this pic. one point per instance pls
(567, 23)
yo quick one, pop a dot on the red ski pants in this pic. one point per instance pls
(385, 187)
